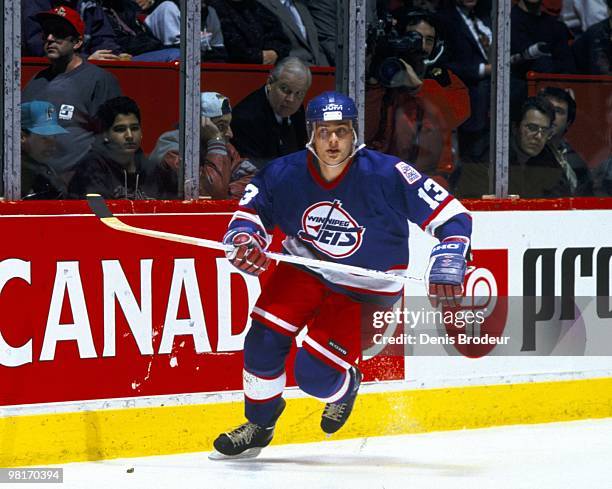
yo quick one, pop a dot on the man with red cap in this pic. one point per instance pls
(100, 41)
(75, 87)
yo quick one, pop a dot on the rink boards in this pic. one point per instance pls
(114, 345)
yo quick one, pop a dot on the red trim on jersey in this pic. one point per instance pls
(261, 401)
(271, 325)
(319, 179)
(439, 209)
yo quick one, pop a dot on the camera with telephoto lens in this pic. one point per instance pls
(387, 47)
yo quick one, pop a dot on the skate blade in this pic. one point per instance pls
(250, 453)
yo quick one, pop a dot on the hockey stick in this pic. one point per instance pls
(100, 209)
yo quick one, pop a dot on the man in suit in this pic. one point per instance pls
(325, 16)
(300, 28)
(270, 121)
(468, 36)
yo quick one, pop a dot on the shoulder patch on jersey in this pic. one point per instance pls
(409, 173)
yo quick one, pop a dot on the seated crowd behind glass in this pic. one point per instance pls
(67, 30)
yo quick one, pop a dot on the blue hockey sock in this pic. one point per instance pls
(265, 352)
(318, 379)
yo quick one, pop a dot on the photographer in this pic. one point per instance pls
(401, 116)
(538, 42)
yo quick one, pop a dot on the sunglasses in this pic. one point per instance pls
(59, 31)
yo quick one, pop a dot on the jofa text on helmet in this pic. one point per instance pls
(332, 107)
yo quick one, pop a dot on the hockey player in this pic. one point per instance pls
(341, 202)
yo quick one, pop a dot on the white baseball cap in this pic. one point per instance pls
(213, 104)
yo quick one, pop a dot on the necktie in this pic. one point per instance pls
(482, 37)
(288, 142)
(289, 5)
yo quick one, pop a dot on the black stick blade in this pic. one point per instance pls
(98, 206)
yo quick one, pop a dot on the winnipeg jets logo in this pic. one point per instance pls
(331, 229)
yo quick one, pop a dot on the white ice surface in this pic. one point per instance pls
(575, 455)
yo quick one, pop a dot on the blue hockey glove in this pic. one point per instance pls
(447, 267)
(248, 254)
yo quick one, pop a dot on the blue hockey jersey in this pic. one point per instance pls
(359, 218)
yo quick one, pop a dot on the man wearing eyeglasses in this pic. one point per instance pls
(75, 87)
(270, 122)
(531, 174)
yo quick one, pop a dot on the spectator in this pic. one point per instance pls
(212, 43)
(324, 14)
(223, 172)
(39, 129)
(164, 21)
(538, 42)
(401, 118)
(300, 28)
(574, 175)
(532, 128)
(468, 36)
(270, 121)
(602, 177)
(580, 15)
(134, 37)
(99, 41)
(529, 176)
(602, 174)
(593, 50)
(75, 87)
(116, 167)
(252, 34)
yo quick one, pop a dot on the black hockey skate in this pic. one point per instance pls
(247, 440)
(337, 413)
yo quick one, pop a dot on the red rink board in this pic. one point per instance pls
(52, 236)
(65, 256)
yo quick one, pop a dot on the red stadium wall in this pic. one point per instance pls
(155, 87)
